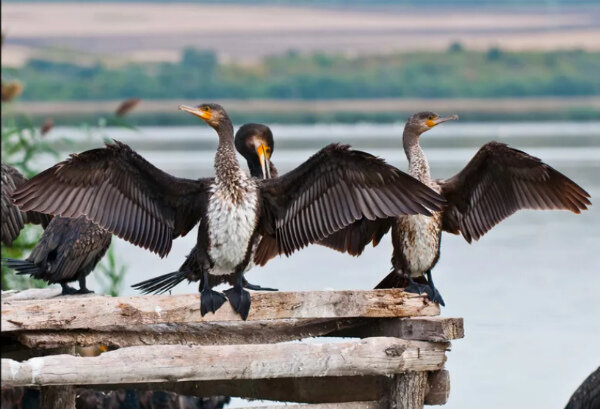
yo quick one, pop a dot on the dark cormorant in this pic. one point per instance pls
(497, 182)
(122, 192)
(68, 250)
(13, 219)
(587, 396)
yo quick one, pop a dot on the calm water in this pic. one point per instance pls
(528, 290)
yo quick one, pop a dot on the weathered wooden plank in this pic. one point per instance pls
(159, 363)
(408, 390)
(437, 329)
(212, 333)
(123, 312)
(342, 405)
(297, 389)
(438, 388)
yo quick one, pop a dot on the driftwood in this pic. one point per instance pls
(163, 343)
(123, 312)
(159, 363)
(437, 329)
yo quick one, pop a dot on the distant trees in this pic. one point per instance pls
(455, 73)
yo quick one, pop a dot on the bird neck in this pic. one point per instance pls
(418, 167)
(227, 167)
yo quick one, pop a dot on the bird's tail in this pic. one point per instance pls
(393, 280)
(22, 266)
(161, 284)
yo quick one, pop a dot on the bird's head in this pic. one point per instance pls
(213, 114)
(255, 143)
(424, 121)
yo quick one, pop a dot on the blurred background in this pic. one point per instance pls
(522, 72)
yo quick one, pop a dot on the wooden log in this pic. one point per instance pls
(159, 363)
(438, 388)
(120, 313)
(214, 333)
(437, 329)
(408, 390)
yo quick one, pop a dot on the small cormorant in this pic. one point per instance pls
(498, 181)
(122, 192)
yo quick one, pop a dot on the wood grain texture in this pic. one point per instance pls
(160, 363)
(437, 329)
(101, 312)
(438, 388)
(408, 391)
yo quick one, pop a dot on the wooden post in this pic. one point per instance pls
(408, 390)
(57, 397)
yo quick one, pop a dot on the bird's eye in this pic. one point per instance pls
(430, 117)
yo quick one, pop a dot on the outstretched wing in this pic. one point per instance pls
(497, 182)
(333, 189)
(14, 219)
(120, 191)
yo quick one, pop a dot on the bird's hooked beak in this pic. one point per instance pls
(441, 119)
(196, 111)
(264, 157)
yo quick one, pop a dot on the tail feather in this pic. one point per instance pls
(161, 284)
(392, 280)
(22, 266)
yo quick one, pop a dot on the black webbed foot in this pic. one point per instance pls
(83, 291)
(255, 287)
(240, 300)
(210, 301)
(434, 295)
(67, 290)
(416, 288)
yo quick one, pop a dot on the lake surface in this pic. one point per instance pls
(529, 290)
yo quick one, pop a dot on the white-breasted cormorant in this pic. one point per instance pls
(498, 181)
(122, 192)
(13, 219)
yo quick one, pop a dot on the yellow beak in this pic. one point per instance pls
(195, 111)
(433, 122)
(264, 159)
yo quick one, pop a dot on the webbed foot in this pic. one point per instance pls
(67, 290)
(83, 291)
(210, 301)
(434, 295)
(240, 300)
(416, 288)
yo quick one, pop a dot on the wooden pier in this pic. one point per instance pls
(389, 348)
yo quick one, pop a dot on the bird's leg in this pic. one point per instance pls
(67, 290)
(433, 293)
(82, 287)
(238, 297)
(210, 300)
(255, 287)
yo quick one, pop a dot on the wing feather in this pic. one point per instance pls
(497, 182)
(122, 192)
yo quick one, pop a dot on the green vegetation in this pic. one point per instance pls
(453, 74)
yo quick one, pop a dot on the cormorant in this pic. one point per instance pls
(587, 396)
(498, 181)
(13, 219)
(255, 143)
(122, 192)
(68, 250)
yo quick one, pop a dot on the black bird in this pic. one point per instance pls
(13, 220)
(122, 192)
(498, 181)
(587, 396)
(68, 250)
(255, 143)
